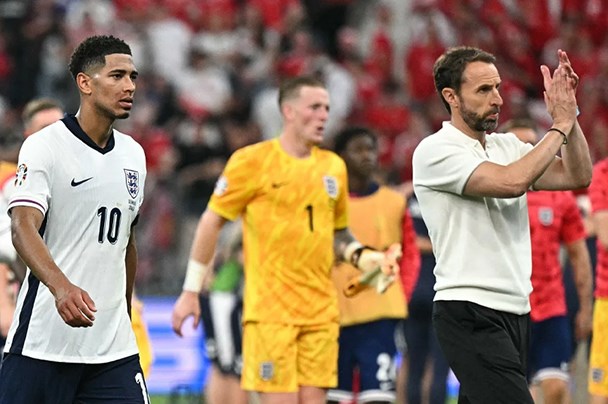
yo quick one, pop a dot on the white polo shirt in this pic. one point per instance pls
(481, 245)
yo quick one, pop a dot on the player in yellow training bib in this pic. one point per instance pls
(369, 320)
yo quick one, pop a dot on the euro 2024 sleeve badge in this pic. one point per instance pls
(20, 175)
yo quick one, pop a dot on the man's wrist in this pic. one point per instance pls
(195, 274)
(350, 251)
(564, 136)
(563, 126)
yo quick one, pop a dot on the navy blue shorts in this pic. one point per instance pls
(550, 349)
(27, 380)
(371, 349)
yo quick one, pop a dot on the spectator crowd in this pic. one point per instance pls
(210, 69)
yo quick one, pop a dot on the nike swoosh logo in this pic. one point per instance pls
(76, 183)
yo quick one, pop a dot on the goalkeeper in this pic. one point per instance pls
(369, 319)
(292, 197)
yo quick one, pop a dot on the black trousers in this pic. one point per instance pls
(487, 350)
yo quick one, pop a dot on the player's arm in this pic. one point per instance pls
(581, 268)
(410, 262)
(131, 265)
(342, 239)
(424, 244)
(512, 180)
(74, 305)
(574, 169)
(378, 268)
(600, 223)
(540, 167)
(199, 266)
(362, 257)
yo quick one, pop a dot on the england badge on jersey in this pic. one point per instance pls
(331, 186)
(545, 216)
(132, 182)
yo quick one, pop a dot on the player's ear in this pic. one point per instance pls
(288, 110)
(83, 81)
(449, 95)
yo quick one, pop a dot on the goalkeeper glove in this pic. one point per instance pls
(379, 268)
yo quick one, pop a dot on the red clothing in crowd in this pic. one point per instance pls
(410, 261)
(273, 11)
(598, 194)
(554, 219)
(593, 12)
(419, 62)
(537, 20)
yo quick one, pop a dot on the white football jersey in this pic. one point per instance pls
(90, 197)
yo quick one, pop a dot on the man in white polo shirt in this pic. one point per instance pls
(471, 189)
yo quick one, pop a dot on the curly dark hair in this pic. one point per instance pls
(92, 52)
(344, 137)
(448, 68)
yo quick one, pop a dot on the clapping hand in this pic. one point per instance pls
(565, 62)
(559, 92)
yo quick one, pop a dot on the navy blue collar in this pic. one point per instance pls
(72, 124)
(373, 188)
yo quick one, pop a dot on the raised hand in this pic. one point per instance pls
(559, 94)
(565, 62)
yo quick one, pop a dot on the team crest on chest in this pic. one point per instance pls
(331, 186)
(132, 182)
(545, 216)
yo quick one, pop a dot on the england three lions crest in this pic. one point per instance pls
(545, 216)
(132, 182)
(331, 186)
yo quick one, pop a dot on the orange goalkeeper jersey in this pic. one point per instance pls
(290, 209)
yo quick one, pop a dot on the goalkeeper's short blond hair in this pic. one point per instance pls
(37, 105)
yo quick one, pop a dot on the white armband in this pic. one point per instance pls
(350, 250)
(195, 274)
